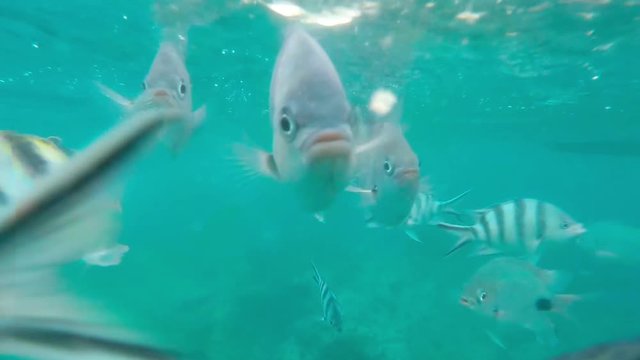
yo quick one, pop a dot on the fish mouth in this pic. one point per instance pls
(578, 229)
(407, 175)
(327, 145)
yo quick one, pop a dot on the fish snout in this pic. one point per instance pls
(578, 229)
(161, 93)
(407, 175)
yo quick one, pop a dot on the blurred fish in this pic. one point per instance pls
(27, 158)
(56, 222)
(330, 308)
(167, 84)
(518, 226)
(514, 291)
(619, 350)
(388, 176)
(311, 120)
(427, 210)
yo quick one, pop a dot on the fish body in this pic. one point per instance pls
(513, 291)
(389, 176)
(331, 312)
(167, 84)
(56, 221)
(617, 350)
(311, 123)
(517, 226)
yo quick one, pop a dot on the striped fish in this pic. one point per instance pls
(516, 226)
(330, 307)
(27, 158)
(427, 210)
(53, 224)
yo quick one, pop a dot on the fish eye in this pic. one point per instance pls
(387, 167)
(286, 125)
(564, 225)
(482, 295)
(182, 88)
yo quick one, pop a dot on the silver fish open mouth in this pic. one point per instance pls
(407, 175)
(326, 145)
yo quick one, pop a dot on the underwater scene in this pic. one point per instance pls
(320, 180)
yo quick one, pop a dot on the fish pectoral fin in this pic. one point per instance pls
(256, 161)
(114, 96)
(413, 236)
(486, 251)
(111, 256)
(193, 122)
(320, 217)
(462, 242)
(358, 190)
(495, 338)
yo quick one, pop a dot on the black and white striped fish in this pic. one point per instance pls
(331, 312)
(53, 223)
(516, 226)
(427, 210)
(24, 160)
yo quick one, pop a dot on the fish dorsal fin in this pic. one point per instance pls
(55, 140)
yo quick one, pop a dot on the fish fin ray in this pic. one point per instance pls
(116, 97)
(256, 160)
(413, 236)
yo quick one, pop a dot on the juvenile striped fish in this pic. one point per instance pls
(427, 210)
(516, 226)
(331, 312)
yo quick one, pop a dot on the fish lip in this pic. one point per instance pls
(578, 229)
(327, 144)
(408, 174)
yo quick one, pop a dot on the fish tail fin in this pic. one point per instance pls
(465, 233)
(256, 160)
(116, 97)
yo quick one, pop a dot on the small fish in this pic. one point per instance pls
(56, 222)
(26, 159)
(311, 120)
(167, 84)
(618, 350)
(389, 176)
(427, 210)
(518, 226)
(330, 307)
(516, 292)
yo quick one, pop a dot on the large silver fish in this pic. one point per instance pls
(388, 175)
(513, 291)
(311, 122)
(517, 226)
(56, 222)
(167, 84)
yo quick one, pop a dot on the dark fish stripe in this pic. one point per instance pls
(485, 227)
(27, 154)
(4, 199)
(541, 223)
(474, 232)
(82, 181)
(75, 342)
(521, 213)
(499, 211)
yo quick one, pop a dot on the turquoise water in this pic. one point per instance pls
(219, 265)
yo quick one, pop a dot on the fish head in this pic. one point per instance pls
(310, 117)
(481, 297)
(560, 226)
(395, 174)
(168, 82)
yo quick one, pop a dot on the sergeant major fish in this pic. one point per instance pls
(331, 312)
(427, 210)
(26, 159)
(518, 226)
(53, 223)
